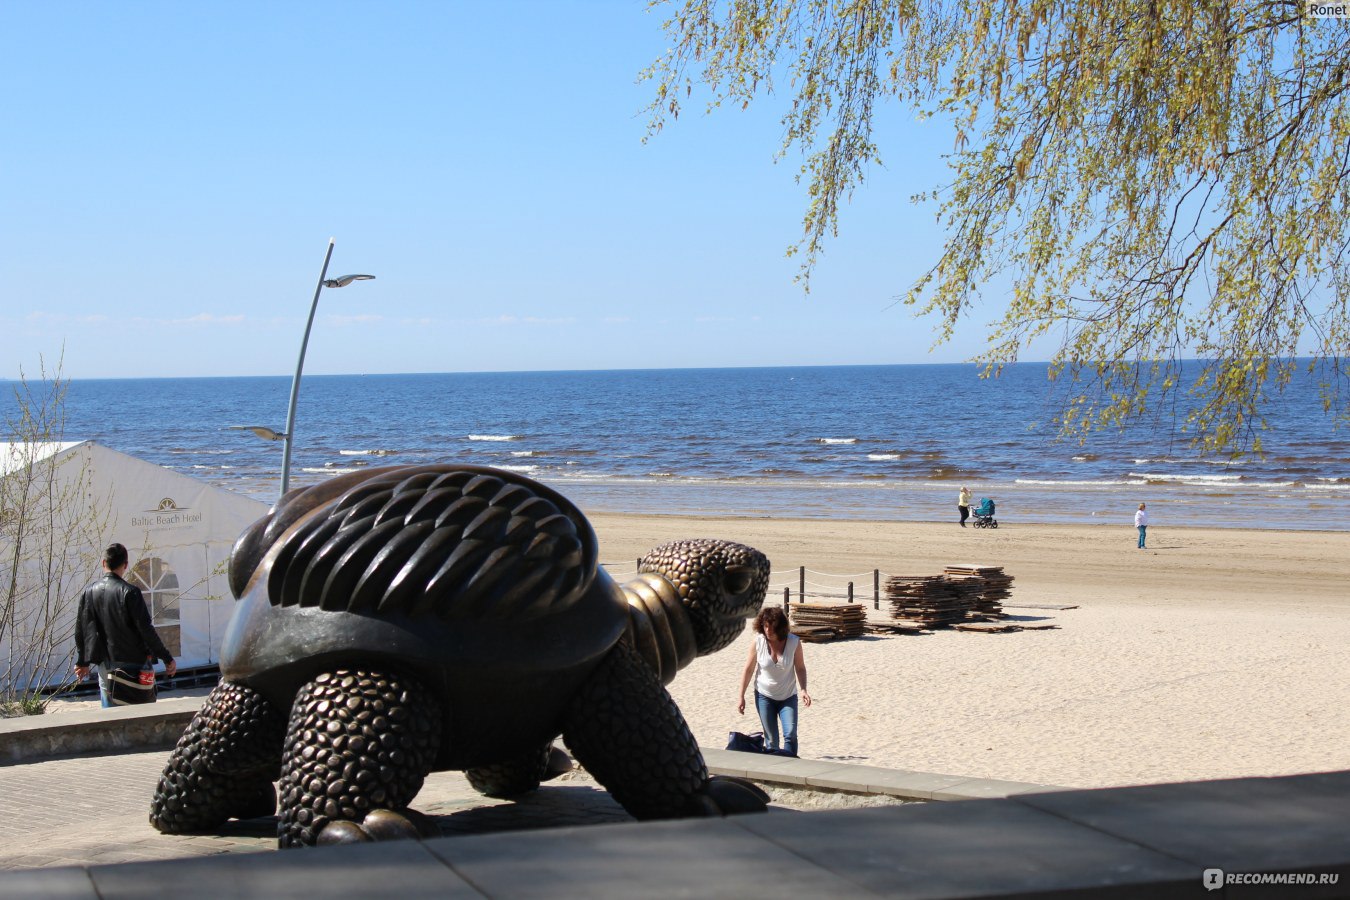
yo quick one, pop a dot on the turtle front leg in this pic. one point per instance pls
(224, 764)
(359, 745)
(628, 733)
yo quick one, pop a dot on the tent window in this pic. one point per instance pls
(159, 584)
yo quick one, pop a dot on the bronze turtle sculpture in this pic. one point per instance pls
(409, 619)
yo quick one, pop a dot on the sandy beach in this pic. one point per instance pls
(1214, 653)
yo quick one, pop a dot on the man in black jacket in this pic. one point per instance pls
(113, 628)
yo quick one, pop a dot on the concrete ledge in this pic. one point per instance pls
(823, 774)
(159, 725)
(149, 727)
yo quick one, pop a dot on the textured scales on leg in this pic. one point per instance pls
(512, 777)
(359, 745)
(628, 733)
(224, 764)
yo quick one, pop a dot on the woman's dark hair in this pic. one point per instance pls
(115, 557)
(771, 618)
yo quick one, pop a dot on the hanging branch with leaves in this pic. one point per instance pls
(1158, 180)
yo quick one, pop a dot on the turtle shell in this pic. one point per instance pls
(482, 583)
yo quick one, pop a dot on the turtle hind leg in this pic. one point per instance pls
(224, 764)
(628, 733)
(520, 775)
(357, 749)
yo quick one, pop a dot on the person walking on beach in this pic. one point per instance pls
(113, 628)
(1141, 522)
(778, 667)
(963, 505)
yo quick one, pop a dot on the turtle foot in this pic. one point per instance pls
(224, 764)
(358, 741)
(262, 802)
(726, 795)
(380, 825)
(520, 775)
(559, 763)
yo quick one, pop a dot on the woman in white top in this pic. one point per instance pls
(1141, 522)
(778, 667)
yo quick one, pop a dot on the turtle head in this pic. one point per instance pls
(721, 584)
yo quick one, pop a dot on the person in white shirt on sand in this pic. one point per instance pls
(778, 667)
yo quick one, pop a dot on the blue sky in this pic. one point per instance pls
(170, 174)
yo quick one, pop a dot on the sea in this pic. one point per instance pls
(861, 442)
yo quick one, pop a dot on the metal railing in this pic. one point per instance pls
(808, 584)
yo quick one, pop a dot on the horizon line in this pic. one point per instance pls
(970, 364)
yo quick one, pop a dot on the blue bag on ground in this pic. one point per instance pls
(746, 743)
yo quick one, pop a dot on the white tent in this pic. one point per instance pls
(177, 530)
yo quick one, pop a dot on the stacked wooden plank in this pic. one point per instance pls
(929, 600)
(987, 627)
(999, 627)
(895, 626)
(816, 622)
(995, 587)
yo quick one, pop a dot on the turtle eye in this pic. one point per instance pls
(737, 579)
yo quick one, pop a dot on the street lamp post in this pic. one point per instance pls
(295, 382)
(288, 436)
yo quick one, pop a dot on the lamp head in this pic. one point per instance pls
(261, 431)
(345, 280)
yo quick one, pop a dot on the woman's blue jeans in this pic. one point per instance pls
(1143, 531)
(770, 712)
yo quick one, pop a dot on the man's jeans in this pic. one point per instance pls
(1143, 532)
(770, 711)
(104, 689)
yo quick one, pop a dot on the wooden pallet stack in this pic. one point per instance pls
(819, 622)
(995, 587)
(931, 601)
(969, 589)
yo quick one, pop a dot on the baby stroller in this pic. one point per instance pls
(984, 514)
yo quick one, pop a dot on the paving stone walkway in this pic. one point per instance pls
(92, 809)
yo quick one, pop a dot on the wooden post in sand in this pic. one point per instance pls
(876, 589)
(801, 585)
(787, 597)
(850, 592)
